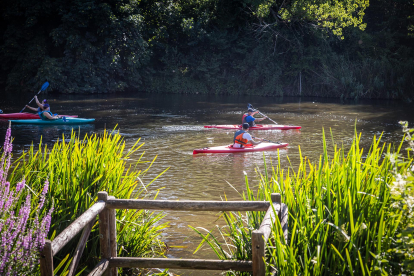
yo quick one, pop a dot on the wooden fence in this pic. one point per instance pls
(106, 207)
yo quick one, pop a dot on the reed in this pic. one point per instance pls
(344, 218)
(77, 170)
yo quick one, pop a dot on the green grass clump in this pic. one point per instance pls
(349, 214)
(77, 170)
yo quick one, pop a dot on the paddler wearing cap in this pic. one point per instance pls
(249, 119)
(242, 137)
(43, 110)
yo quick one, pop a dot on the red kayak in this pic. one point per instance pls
(257, 127)
(248, 148)
(25, 115)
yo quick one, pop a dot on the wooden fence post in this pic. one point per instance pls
(258, 253)
(46, 260)
(284, 220)
(104, 235)
(277, 199)
(112, 236)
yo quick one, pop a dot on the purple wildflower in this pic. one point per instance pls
(21, 236)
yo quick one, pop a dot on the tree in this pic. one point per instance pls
(329, 15)
(79, 46)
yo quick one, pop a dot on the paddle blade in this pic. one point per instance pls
(44, 86)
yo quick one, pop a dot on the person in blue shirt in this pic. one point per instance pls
(43, 110)
(248, 117)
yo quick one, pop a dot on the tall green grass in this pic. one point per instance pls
(343, 218)
(77, 170)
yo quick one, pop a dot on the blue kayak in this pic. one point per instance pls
(61, 121)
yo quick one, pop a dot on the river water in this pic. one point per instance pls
(172, 126)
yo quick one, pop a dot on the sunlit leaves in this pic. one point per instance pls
(333, 15)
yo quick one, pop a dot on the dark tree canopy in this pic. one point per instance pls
(341, 48)
(79, 46)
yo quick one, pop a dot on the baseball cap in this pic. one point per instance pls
(246, 125)
(46, 105)
(251, 110)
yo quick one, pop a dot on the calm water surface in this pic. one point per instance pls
(172, 126)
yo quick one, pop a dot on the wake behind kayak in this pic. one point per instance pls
(248, 148)
(257, 127)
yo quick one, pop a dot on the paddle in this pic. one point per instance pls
(44, 86)
(266, 140)
(250, 106)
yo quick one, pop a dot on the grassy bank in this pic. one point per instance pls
(349, 214)
(77, 169)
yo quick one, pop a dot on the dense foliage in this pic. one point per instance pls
(342, 48)
(351, 213)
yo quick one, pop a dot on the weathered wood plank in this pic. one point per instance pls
(100, 268)
(258, 253)
(75, 227)
(187, 205)
(284, 220)
(180, 263)
(80, 247)
(46, 260)
(112, 236)
(104, 230)
(269, 220)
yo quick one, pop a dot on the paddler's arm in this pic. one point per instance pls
(38, 103)
(260, 119)
(255, 142)
(31, 108)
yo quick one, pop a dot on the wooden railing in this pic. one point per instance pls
(106, 207)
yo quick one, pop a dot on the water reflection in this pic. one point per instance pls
(25, 135)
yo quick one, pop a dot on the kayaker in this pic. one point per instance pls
(242, 137)
(43, 110)
(248, 117)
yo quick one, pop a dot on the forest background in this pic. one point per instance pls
(336, 48)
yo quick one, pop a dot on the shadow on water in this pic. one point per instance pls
(26, 135)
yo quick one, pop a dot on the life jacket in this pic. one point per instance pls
(251, 124)
(244, 118)
(43, 117)
(238, 138)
